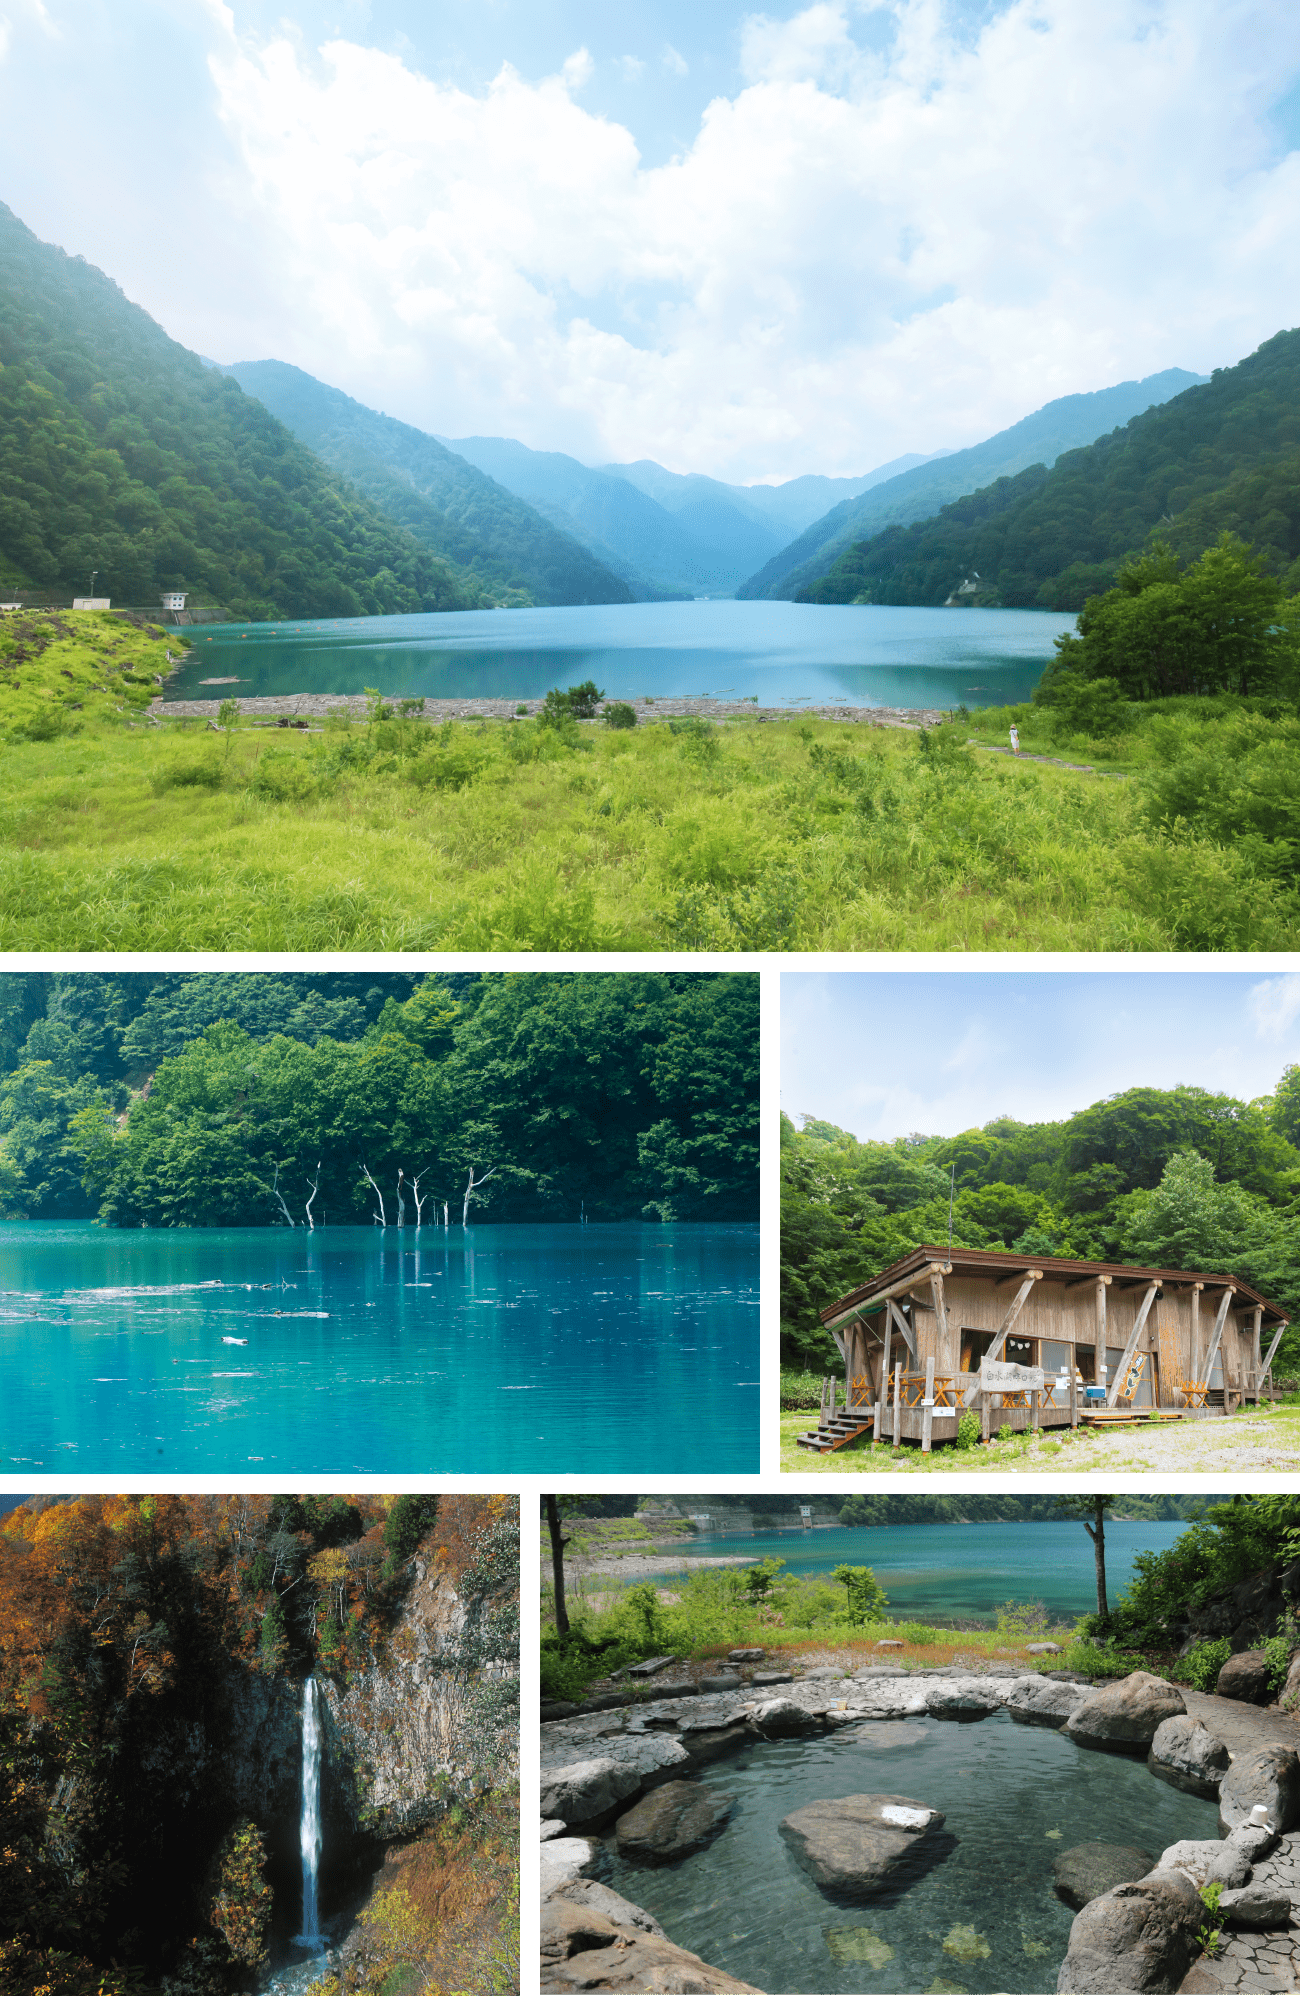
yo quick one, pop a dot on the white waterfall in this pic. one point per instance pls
(309, 1826)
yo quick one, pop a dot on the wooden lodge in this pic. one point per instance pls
(1038, 1342)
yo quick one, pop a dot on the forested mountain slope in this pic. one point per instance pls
(189, 1098)
(442, 500)
(121, 453)
(153, 1654)
(1225, 454)
(1162, 1178)
(918, 494)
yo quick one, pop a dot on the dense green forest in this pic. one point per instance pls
(121, 453)
(220, 1099)
(1165, 1178)
(919, 493)
(1225, 456)
(445, 502)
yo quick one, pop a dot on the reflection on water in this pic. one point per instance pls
(496, 1349)
(983, 1918)
(785, 653)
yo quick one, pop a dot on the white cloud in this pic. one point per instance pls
(674, 61)
(632, 67)
(858, 254)
(1273, 1006)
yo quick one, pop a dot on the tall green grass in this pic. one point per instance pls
(510, 836)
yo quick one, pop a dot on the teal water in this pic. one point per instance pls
(1014, 1798)
(962, 1572)
(493, 1350)
(785, 653)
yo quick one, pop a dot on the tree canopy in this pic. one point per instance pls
(222, 1100)
(1173, 1178)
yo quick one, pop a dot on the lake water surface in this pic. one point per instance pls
(490, 1350)
(784, 653)
(963, 1572)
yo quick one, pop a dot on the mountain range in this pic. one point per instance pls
(1223, 456)
(919, 493)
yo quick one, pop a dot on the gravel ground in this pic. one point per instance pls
(1239, 1445)
(317, 705)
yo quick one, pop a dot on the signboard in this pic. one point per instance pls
(1003, 1377)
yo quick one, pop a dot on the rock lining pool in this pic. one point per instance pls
(980, 1916)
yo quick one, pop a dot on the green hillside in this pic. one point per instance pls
(1223, 455)
(446, 503)
(121, 453)
(920, 492)
(1160, 1177)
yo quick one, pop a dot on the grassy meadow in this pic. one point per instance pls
(120, 833)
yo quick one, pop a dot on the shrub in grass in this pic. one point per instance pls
(1200, 1667)
(619, 714)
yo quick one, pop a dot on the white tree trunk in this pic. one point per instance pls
(401, 1203)
(276, 1193)
(445, 1221)
(381, 1217)
(471, 1188)
(420, 1204)
(315, 1188)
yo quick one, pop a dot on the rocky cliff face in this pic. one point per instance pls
(398, 1745)
(1246, 1613)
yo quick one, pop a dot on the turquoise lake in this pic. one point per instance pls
(785, 653)
(493, 1350)
(962, 1572)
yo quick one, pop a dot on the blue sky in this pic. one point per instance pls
(884, 1054)
(747, 241)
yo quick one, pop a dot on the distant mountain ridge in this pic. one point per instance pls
(1065, 424)
(664, 532)
(1224, 454)
(446, 503)
(122, 455)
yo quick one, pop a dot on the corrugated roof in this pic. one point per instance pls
(1052, 1265)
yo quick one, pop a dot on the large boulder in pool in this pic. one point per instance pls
(964, 1698)
(1135, 1938)
(1246, 1678)
(671, 1822)
(782, 1719)
(586, 1790)
(853, 1846)
(1125, 1717)
(1186, 1755)
(1270, 1775)
(1043, 1701)
(1084, 1873)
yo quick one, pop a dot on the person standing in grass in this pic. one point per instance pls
(1015, 739)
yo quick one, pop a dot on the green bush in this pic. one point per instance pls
(205, 774)
(283, 777)
(619, 714)
(1200, 1667)
(968, 1430)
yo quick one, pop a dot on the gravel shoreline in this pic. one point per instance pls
(315, 706)
(639, 1565)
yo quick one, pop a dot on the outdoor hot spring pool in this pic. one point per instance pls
(983, 1917)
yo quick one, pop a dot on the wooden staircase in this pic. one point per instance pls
(840, 1429)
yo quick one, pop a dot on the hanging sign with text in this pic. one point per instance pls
(1000, 1376)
